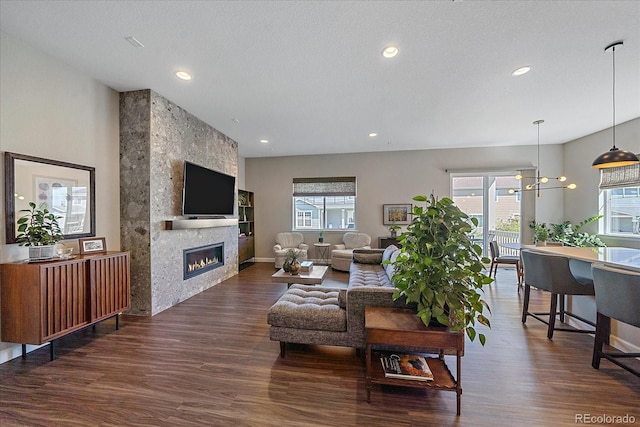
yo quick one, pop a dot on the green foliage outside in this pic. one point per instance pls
(511, 224)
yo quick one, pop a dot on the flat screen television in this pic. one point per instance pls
(207, 193)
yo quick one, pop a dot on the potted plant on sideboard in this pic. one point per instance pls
(39, 229)
(440, 269)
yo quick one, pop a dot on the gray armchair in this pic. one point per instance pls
(286, 241)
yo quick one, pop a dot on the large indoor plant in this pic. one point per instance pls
(440, 269)
(39, 229)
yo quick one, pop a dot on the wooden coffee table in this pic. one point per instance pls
(314, 277)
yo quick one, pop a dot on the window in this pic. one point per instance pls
(324, 203)
(620, 201)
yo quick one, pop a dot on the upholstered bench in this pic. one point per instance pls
(308, 315)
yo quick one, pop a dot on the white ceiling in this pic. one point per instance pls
(309, 75)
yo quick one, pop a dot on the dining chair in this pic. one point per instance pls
(551, 273)
(617, 297)
(496, 259)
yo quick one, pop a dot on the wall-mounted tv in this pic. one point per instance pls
(207, 193)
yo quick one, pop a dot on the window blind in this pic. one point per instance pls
(623, 176)
(329, 186)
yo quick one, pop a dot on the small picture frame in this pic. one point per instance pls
(92, 245)
(398, 214)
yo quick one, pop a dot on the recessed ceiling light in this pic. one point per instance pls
(389, 51)
(183, 75)
(372, 134)
(134, 41)
(264, 141)
(520, 71)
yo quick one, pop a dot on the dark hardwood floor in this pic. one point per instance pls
(209, 362)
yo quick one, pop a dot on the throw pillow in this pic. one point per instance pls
(389, 268)
(367, 257)
(386, 255)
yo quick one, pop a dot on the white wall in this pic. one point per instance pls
(50, 110)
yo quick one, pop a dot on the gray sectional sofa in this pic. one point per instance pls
(329, 316)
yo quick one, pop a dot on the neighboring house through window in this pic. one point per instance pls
(620, 201)
(324, 203)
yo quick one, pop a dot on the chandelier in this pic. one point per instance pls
(538, 185)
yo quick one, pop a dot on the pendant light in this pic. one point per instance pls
(540, 180)
(614, 157)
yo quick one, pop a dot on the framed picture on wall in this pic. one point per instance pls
(399, 214)
(92, 245)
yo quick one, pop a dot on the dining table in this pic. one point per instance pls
(616, 256)
(621, 257)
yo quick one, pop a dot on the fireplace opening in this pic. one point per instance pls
(202, 259)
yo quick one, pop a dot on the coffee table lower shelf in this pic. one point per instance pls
(442, 377)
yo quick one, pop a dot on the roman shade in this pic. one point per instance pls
(622, 176)
(329, 186)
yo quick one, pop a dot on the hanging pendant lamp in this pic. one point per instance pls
(614, 157)
(540, 180)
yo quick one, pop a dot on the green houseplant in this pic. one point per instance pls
(540, 234)
(567, 233)
(440, 269)
(39, 229)
(393, 229)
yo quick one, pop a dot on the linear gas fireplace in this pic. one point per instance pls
(202, 259)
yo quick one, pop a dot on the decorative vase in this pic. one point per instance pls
(286, 266)
(320, 239)
(295, 267)
(394, 233)
(539, 243)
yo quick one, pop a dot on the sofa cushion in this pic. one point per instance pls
(368, 275)
(308, 307)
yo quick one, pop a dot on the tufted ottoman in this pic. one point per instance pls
(308, 315)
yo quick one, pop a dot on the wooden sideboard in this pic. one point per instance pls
(43, 301)
(383, 242)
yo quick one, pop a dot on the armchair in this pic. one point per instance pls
(286, 241)
(342, 254)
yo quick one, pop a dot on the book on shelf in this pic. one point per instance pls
(306, 266)
(406, 366)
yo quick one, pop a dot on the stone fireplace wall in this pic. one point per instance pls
(156, 137)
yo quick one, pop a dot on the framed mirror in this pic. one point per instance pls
(66, 189)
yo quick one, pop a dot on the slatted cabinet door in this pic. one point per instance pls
(110, 285)
(63, 298)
